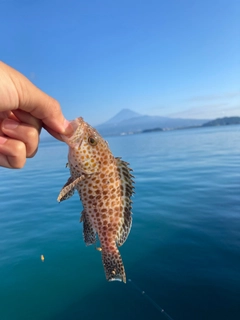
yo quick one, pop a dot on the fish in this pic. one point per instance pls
(105, 185)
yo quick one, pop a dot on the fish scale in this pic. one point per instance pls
(105, 187)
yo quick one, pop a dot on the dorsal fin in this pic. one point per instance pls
(127, 190)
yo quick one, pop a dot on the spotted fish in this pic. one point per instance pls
(105, 187)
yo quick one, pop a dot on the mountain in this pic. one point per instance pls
(222, 122)
(124, 114)
(128, 121)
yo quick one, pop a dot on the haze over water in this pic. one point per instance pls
(183, 249)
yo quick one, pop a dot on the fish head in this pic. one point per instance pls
(86, 147)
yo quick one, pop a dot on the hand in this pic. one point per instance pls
(24, 110)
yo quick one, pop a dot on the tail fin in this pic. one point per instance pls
(113, 265)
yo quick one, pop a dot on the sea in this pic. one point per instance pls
(182, 257)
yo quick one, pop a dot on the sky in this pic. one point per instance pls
(178, 58)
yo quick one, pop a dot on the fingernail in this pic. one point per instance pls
(10, 124)
(2, 140)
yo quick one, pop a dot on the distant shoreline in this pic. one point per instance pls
(227, 121)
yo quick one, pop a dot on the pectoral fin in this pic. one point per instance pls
(68, 189)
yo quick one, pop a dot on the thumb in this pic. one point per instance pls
(31, 99)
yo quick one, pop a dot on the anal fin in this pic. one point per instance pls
(89, 234)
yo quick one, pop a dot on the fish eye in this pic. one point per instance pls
(92, 141)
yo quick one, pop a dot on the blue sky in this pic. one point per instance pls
(178, 58)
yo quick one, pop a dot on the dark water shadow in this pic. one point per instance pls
(182, 286)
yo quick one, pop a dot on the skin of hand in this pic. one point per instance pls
(24, 110)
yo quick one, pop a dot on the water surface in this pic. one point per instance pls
(183, 250)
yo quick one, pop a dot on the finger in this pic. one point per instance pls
(30, 136)
(34, 101)
(4, 114)
(23, 132)
(53, 133)
(12, 153)
(25, 117)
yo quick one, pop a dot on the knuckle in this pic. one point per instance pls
(53, 105)
(13, 154)
(17, 161)
(32, 140)
(20, 149)
(31, 135)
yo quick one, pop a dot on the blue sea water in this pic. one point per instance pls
(183, 250)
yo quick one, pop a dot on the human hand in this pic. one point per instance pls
(24, 110)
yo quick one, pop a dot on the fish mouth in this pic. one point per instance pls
(76, 138)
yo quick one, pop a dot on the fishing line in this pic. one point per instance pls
(150, 300)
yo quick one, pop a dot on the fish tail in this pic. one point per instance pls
(113, 265)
